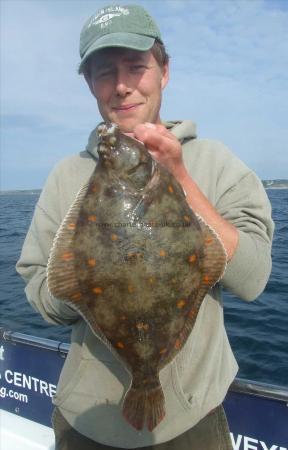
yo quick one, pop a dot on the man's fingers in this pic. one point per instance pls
(155, 137)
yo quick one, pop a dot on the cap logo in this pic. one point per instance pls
(127, 26)
(105, 16)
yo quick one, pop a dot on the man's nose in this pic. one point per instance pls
(122, 85)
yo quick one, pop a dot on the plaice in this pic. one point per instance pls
(136, 262)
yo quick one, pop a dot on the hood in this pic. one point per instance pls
(183, 130)
(91, 146)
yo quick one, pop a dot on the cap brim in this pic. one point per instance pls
(126, 40)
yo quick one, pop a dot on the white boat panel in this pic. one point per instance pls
(18, 433)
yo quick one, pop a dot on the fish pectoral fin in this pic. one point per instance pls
(61, 277)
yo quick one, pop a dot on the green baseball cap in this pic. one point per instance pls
(127, 26)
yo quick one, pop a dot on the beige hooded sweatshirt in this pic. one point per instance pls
(93, 382)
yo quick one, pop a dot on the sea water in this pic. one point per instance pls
(257, 330)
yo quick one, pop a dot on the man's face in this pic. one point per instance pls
(128, 86)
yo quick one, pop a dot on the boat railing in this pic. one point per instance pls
(240, 385)
(35, 341)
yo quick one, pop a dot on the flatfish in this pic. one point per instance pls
(136, 262)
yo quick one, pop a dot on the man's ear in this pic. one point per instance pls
(165, 75)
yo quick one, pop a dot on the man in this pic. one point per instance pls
(125, 64)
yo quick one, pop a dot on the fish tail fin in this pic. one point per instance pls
(155, 407)
(144, 405)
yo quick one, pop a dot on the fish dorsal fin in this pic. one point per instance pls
(61, 278)
(61, 275)
(215, 260)
(214, 265)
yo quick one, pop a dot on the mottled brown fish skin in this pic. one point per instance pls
(141, 265)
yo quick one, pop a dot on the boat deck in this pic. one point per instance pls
(18, 433)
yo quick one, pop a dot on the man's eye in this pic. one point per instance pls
(101, 74)
(137, 68)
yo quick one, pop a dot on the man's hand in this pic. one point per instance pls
(166, 149)
(163, 146)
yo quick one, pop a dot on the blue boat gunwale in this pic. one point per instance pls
(239, 385)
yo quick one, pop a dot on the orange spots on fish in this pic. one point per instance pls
(192, 259)
(186, 218)
(162, 351)
(208, 240)
(206, 279)
(67, 256)
(97, 290)
(123, 317)
(94, 188)
(170, 189)
(114, 237)
(131, 288)
(142, 326)
(71, 226)
(152, 280)
(162, 253)
(177, 344)
(91, 262)
(92, 218)
(120, 344)
(76, 296)
(173, 281)
(181, 303)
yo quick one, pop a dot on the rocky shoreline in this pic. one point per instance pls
(275, 184)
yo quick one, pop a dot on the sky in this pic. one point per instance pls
(228, 74)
